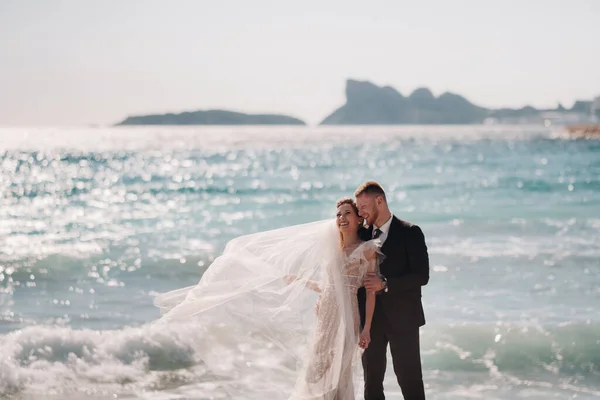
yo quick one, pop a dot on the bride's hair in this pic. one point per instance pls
(341, 202)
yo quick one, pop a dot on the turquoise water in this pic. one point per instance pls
(95, 222)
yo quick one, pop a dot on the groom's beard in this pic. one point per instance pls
(373, 219)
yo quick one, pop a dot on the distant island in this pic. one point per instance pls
(211, 117)
(369, 104)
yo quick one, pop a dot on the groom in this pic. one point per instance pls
(398, 309)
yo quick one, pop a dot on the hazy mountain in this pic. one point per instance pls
(369, 104)
(211, 117)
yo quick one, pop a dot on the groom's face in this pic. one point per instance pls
(367, 208)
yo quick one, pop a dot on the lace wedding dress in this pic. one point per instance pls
(325, 366)
(258, 334)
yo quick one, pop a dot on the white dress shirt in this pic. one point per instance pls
(385, 228)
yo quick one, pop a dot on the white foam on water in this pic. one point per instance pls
(43, 359)
(159, 362)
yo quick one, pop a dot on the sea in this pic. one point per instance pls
(96, 221)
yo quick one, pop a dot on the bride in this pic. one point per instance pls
(253, 310)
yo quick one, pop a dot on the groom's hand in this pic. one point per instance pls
(373, 283)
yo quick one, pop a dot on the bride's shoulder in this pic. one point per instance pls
(366, 249)
(370, 248)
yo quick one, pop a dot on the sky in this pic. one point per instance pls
(79, 62)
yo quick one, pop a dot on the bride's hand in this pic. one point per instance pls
(365, 339)
(289, 279)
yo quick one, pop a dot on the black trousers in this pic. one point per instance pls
(406, 358)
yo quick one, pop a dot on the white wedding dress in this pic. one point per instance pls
(259, 335)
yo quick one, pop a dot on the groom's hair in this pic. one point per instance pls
(370, 187)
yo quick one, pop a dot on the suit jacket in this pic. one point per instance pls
(406, 268)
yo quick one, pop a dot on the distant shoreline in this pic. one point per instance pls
(585, 131)
(370, 105)
(210, 117)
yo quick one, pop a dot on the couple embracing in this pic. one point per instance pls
(257, 330)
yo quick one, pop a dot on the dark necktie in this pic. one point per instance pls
(377, 233)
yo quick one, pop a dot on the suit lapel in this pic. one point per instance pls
(391, 235)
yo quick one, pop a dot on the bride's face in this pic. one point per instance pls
(347, 219)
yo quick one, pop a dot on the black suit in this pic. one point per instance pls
(398, 313)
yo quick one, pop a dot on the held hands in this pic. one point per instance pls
(373, 283)
(365, 339)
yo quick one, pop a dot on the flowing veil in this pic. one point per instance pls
(254, 314)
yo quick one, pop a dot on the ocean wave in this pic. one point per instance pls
(515, 349)
(552, 247)
(39, 359)
(43, 359)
